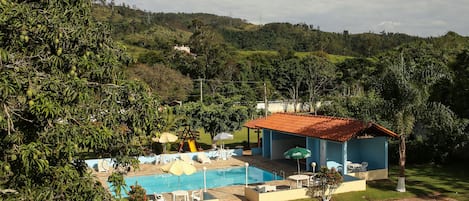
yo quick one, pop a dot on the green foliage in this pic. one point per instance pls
(454, 92)
(176, 88)
(63, 92)
(118, 183)
(219, 115)
(328, 180)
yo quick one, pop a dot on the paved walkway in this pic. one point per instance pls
(229, 193)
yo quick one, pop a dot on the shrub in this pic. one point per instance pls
(328, 181)
(137, 193)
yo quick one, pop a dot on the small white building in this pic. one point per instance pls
(183, 48)
(288, 106)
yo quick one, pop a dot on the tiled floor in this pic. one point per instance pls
(230, 193)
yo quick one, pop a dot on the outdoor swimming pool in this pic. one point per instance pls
(163, 183)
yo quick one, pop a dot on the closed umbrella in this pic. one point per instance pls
(297, 153)
(179, 168)
(223, 136)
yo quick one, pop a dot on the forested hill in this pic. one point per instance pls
(164, 30)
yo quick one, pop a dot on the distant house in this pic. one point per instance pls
(288, 106)
(183, 48)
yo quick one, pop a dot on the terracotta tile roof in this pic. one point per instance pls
(252, 123)
(323, 127)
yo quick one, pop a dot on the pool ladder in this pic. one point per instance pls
(279, 173)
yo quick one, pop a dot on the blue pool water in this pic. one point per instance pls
(163, 183)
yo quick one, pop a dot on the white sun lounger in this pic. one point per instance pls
(202, 158)
(103, 165)
(186, 158)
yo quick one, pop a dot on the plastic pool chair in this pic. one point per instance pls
(158, 197)
(364, 166)
(103, 165)
(197, 195)
(157, 159)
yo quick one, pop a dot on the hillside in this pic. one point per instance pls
(162, 30)
(233, 57)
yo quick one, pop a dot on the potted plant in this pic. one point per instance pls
(325, 184)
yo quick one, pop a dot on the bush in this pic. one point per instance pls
(137, 193)
(328, 180)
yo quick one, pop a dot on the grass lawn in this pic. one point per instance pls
(240, 138)
(423, 181)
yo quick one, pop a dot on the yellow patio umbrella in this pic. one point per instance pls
(178, 168)
(164, 138)
(167, 137)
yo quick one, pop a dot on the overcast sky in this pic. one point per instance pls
(415, 17)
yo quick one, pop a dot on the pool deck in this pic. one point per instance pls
(229, 193)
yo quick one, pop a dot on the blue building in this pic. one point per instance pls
(355, 148)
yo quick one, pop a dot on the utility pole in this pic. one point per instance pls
(266, 104)
(201, 91)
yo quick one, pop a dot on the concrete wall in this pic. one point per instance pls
(279, 195)
(349, 186)
(371, 174)
(279, 106)
(93, 163)
(300, 193)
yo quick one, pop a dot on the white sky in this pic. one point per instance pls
(415, 17)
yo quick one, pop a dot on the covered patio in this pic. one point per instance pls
(353, 147)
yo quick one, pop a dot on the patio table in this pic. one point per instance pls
(177, 193)
(298, 178)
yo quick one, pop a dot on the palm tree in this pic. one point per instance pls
(407, 84)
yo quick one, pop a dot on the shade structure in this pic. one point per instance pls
(223, 136)
(179, 168)
(297, 153)
(167, 137)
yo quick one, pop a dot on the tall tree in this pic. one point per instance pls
(217, 115)
(62, 93)
(320, 75)
(169, 83)
(290, 76)
(409, 75)
(212, 54)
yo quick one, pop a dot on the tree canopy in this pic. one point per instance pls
(63, 93)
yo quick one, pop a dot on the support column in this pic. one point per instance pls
(344, 158)
(386, 160)
(249, 142)
(323, 153)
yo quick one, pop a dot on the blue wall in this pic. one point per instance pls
(334, 152)
(353, 151)
(266, 139)
(313, 145)
(373, 151)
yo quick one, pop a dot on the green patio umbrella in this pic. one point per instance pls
(297, 153)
